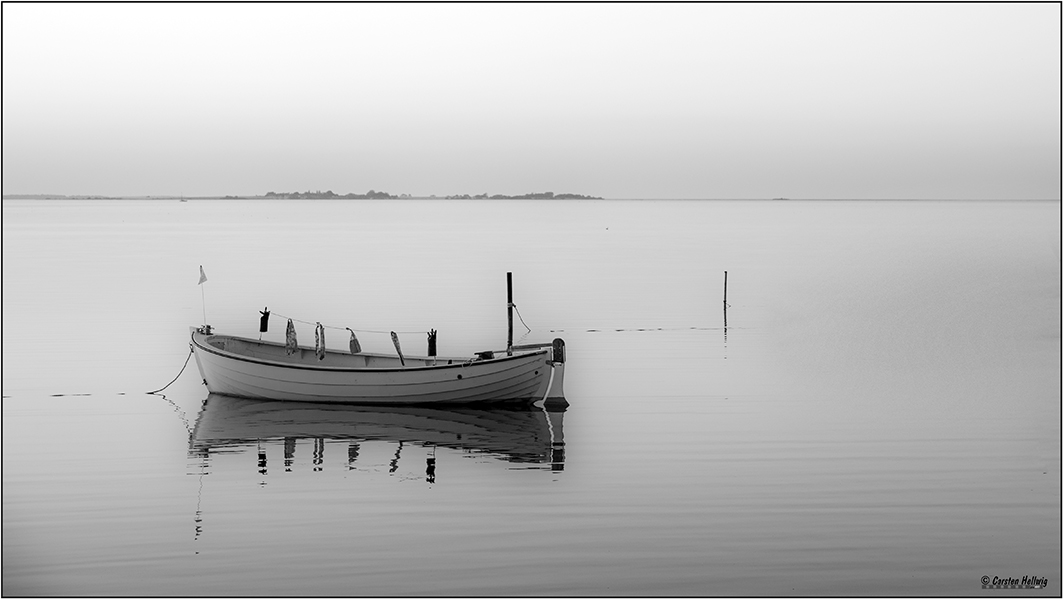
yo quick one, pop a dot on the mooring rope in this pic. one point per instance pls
(177, 409)
(521, 319)
(178, 374)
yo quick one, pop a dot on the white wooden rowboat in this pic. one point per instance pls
(256, 369)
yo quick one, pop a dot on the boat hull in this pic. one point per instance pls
(262, 370)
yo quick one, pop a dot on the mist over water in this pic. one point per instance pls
(881, 415)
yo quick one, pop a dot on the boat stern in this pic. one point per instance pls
(555, 396)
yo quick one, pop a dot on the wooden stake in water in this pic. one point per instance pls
(725, 302)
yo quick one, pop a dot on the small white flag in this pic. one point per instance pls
(202, 276)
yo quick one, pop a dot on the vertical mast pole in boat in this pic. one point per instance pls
(509, 310)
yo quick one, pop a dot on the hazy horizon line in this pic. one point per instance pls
(46, 196)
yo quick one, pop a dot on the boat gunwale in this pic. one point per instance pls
(241, 358)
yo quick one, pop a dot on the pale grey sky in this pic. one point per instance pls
(617, 100)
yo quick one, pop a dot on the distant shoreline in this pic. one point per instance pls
(328, 195)
(264, 198)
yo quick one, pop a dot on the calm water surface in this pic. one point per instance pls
(880, 416)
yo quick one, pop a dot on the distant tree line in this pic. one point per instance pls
(383, 195)
(330, 195)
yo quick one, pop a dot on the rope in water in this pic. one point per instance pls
(177, 410)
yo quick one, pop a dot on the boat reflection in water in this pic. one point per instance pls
(523, 434)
